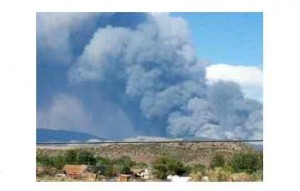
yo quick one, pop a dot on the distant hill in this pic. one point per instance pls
(49, 135)
(147, 152)
(258, 147)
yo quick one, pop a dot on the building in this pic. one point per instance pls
(177, 178)
(75, 171)
(142, 173)
(124, 177)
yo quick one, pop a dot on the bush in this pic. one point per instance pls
(85, 157)
(76, 156)
(246, 162)
(54, 161)
(104, 166)
(257, 176)
(58, 161)
(42, 159)
(198, 168)
(217, 161)
(164, 166)
(219, 174)
(124, 164)
(196, 176)
(124, 169)
(141, 165)
(71, 156)
(125, 161)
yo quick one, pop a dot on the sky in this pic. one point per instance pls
(233, 38)
(120, 75)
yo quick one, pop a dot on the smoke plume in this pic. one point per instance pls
(152, 74)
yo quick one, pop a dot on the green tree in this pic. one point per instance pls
(141, 165)
(71, 156)
(104, 166)
(124, 169)
(124, 164)
(217, 161)
(246, 162)
(125, 160)
(165, 166)
(43, 160)
(58, 161)
(85, 157)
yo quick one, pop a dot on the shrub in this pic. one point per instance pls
(241, 177)
(58, 161)
(85, 157)
(71, 156)
(196, 176)
(198, 168)
(76, 156)
(246, 162)
(43, 160)
(219, 174)
(104, 166)
(125, 160)
(217, 161)
(164, 166)
(124, 169)
(141, 165)
(124, 164)
(257, 176)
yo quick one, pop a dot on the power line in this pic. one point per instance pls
(150, 142)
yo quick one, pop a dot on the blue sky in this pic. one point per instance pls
(232, 38)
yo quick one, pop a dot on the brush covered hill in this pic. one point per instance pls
(187, 152)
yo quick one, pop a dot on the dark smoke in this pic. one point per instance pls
(155, 69)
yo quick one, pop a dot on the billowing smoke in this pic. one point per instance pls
(151, 73)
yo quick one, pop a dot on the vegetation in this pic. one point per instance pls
(123, 165)
(217, 161)
(246, 162)
(165, 165)
(242, 166)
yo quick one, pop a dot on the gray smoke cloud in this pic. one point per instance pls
(153, 75)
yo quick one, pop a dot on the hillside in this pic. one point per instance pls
(147, 152)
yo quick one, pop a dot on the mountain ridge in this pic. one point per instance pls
(50, 135)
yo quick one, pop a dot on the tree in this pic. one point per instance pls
(58, 161)
(43, 159)
(124, 164)
(71, 157)
(125, 160)
(217, 161)
(246, 162)
(141, 165)
(76, 156)
(165, 166)
(85, 157)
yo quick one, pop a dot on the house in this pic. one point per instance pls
(124, 177)
(75, 171)
(143, 173)
(177, 178)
